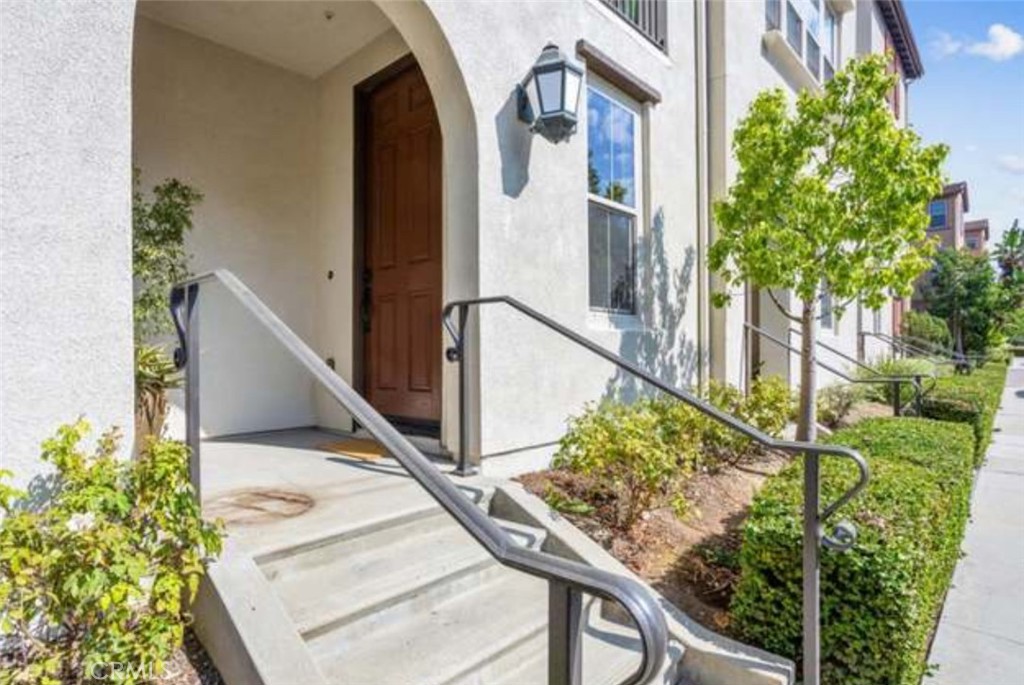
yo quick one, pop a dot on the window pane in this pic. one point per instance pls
(937, 209)
(773, 13)
(794, 29)
(598, 257)
(611, 153)
(828, 37)
(813, 57)
(620, 263)
(611, 238)
(826, 309)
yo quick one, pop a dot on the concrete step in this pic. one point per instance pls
(436, 637)
(610, 655)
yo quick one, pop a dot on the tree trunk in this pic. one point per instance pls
(807, 419)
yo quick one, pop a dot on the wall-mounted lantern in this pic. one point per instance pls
(550, 95)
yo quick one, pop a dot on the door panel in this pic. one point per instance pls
(402, 365)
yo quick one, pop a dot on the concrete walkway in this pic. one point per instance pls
(980, 640)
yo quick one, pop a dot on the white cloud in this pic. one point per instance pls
(1002, 44)
(945, 45)
(1012, 163)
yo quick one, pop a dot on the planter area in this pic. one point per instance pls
(715, 523)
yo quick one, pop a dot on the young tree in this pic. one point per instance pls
(1009, 254)
(830, 197)
(962, 290)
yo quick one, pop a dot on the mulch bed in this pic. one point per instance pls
(693, 560)
(190, 665)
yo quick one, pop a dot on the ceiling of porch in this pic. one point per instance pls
(308, 37)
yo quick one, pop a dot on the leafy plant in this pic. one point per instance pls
(835, 402)
(911, 521)
(622, 446)
(159, 259)
(924, 326)
(830, 199)
(155, 374)
(100, 573)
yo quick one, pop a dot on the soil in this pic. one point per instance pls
(692, 560)
(190, 665)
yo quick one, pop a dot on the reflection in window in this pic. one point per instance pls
(612, 135)
(937, 211)
(610, 149)
(611, 259)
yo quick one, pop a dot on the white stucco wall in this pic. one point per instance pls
(244, 133)
(533, 217)
(65, 222)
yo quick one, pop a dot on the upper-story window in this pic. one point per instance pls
(810, 30)
(649, 17)
(937, 212)
(613, 191)
(972, 243)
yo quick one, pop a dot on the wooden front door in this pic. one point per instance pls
(402, 259)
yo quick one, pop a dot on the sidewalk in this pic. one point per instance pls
(980, 640)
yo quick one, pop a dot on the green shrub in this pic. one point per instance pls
(1013, 327)
(623, 447)
(926, 327)
(642, 451)
(880, 600)
(835, 402)
(972, 399)
(99, 572)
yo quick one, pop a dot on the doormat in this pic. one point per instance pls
(366, 450)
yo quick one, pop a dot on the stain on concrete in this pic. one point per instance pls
(255, 506)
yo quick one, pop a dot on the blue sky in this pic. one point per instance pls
(971, 97)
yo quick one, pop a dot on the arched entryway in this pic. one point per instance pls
(255, 104)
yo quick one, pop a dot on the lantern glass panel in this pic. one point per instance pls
(549, 85)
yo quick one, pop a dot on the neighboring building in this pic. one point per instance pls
(793, 45)
(976, 236)
(951, 229)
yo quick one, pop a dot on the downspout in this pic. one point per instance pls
(702, 79)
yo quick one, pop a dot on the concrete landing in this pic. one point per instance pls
(980, 639)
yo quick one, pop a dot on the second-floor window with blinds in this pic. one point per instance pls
(810, 29)
(937, 211)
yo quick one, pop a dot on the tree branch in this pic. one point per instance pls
(785, 313)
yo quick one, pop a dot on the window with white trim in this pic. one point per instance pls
(613, 196)
(810, 30)
(876, 320)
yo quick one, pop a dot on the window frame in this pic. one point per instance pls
(831, 311)
(827, 20)
(637, 212)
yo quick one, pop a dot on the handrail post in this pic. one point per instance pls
(897, 400)
(192, 435)
(811, 570)
(464, 468)
(565, 654)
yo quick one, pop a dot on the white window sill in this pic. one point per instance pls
(598, 320)
(790, 62)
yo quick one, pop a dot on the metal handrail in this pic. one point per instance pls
(842, 538)
(898, 406)
(945, 356)
(567, 579)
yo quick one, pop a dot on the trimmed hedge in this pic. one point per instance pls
(881, 599)
(972, 399)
